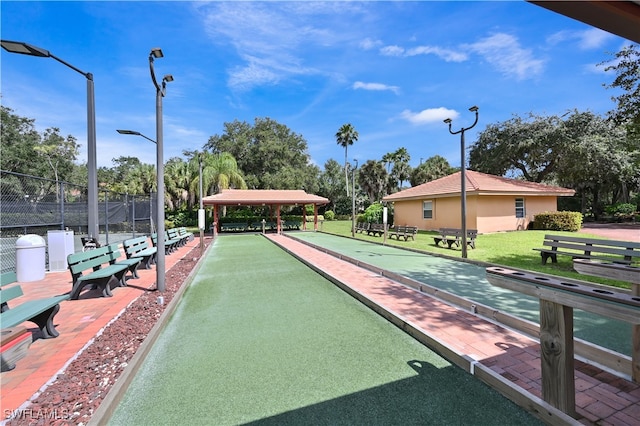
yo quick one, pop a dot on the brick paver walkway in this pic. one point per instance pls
(78, 322)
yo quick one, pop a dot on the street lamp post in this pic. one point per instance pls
(160, 92)
(92, 184)
(159, 206)
(463, 178)
(353, 199)
(201, 223)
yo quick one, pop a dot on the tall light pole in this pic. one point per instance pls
(92, 184)
(160, 92)
(353, 199)
(159, 202)
(201, 223)
(463, 178)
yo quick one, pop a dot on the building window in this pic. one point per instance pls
(427, 209)
(520, 207)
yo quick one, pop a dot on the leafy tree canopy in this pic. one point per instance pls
(268, 153)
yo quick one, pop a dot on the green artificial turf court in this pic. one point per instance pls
(260, 338)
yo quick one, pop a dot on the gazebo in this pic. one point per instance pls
(266, 197)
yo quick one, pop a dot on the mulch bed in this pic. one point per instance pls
(77, 392)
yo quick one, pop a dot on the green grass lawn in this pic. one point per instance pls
(510, 249)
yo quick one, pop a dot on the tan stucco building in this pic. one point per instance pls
(493, 203)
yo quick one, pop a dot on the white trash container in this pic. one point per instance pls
(30, 258)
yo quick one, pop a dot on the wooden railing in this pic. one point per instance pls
(558, 298)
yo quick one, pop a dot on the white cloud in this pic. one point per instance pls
(368, 43)
(592, 38)
(375, 87)
(445, 54)
(504, 52)
(392, 51)
(430, 115)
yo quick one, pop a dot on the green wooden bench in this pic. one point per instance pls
(170, 245)
(174, 235)
(140, 248)
(115, 259)
(38, 311)
(184, 234)
(101, 271)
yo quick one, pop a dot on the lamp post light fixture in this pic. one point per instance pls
(353, 199)
(159, 202)
(463, 178)
(92, 184)
(161, 89)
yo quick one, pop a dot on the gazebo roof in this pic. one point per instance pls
(257, 197)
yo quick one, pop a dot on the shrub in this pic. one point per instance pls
(329, 215)
(558, 221)
(373, 213)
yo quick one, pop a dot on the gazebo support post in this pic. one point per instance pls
(315, 217)
(279, 224)
(304, 217)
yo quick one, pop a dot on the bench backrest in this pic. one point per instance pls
(134, 245)
(627, 249)
(8, 278)
(458, 232)
(79, 262)
(594, 241)
(114, 252)
(172, 233)
(9, 294)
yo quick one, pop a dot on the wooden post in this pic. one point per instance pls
(557, 357)
(635, 341)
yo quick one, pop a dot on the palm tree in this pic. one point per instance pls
(372, 179)
(219, 171)
(346, 136)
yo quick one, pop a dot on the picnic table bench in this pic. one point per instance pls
(139, 248)
(624, 252)
(405, 232)
(377, 229)
(362, 227)
(102, 267)
(453, 236)
(38, 311)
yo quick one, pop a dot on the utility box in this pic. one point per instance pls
(61, 245)
(30, 254)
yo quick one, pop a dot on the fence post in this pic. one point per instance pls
(133, 214)
(62, 227)
(106, 215)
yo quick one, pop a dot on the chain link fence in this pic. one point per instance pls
(34, 205)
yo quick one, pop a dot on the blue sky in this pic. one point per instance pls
(394, 70)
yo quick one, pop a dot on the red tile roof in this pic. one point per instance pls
(479, 184)
(247, 197)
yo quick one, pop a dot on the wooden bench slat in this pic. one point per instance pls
(588, 248)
